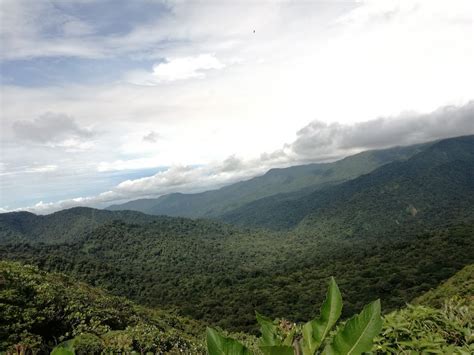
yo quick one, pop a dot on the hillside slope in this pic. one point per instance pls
(39, 309)
(460, 285)
(440, 321)
(308, 177)
(433, 187)
(73, 224)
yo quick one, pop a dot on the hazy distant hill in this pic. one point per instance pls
(307, 177)
(431, 187)
(66, 225)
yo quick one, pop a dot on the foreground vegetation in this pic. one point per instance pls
(40, 310)
(286, 338)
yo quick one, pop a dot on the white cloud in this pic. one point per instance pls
(175, 69)
(44, 168)
(186, 67)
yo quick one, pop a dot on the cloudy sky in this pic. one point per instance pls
(104, 101)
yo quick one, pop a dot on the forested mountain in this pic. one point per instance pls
(430, 188)
(306, 178)
(72, 224)
(392, 234)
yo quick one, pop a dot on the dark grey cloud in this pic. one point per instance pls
(319, 140)
(232, 163)
(50, 128)
(151, 137)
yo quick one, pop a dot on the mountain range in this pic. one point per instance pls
(302, 178)
(421, 201)
(389, 224)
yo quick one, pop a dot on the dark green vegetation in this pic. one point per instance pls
(221, 275)
(63, 226)
(38, 310)
(301, 179)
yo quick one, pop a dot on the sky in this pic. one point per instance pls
(112, 100)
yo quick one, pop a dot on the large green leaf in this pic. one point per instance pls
(316, 330)
(220, 345)
(277, 350)
(64, 348)
(288, 341)
(358, 333)
(268, 330)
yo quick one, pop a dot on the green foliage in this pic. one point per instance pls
(270, 336)
(277, 350)
(315, 331)
(358, 333)
(284, 338)
(442, 325)
(65, 348)
(220, 345)
(421, 329)
(38, 309)
(85, 344)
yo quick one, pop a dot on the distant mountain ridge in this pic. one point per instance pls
(73, 223)
(436, 183)
(304, 178)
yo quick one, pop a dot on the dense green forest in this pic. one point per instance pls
(40, 311)
(220, 275)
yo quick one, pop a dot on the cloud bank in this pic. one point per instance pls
(316, 142)
(50, 128)
(319, 138)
